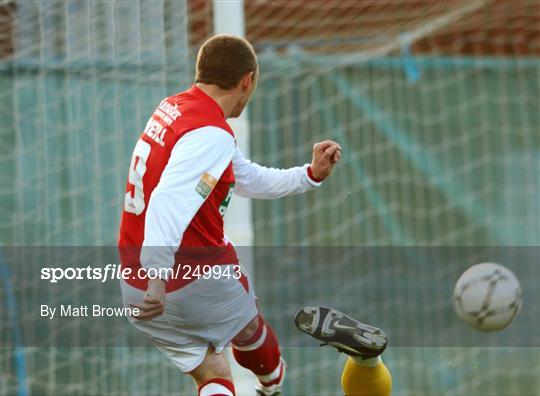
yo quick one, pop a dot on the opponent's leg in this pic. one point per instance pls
(213, 375)
(363, 378)
(364, 372)
(256, 348)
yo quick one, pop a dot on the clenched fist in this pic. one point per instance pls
(326, 154)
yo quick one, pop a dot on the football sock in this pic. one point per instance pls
(260, 354)
(216, 387)
(372, 378)
(367, 362)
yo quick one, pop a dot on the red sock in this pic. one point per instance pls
(216, 387)
(260, 353)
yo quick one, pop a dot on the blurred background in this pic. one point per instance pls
(436, 105)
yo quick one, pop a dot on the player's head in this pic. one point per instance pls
(230, 63)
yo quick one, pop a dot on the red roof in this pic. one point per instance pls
(462, 26)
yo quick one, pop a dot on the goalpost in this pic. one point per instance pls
(229, 19)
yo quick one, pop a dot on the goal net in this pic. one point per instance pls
(434, 103)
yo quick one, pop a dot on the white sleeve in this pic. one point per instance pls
(256, 181)
(196, 163)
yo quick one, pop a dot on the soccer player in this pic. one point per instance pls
(364, 373)
(182, 173)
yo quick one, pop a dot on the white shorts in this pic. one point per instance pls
(203, 313)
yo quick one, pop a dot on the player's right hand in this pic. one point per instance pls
(153, 304)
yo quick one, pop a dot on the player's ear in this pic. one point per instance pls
(254, 77)
(248, 80)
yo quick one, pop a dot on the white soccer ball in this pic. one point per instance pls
(487, 296)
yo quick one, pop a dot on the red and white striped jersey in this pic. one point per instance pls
(181, 176)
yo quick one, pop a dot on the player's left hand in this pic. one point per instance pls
(326, 155)
(153, 302)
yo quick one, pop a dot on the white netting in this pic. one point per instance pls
(435, 103)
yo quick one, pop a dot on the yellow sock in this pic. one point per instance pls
(357, 380)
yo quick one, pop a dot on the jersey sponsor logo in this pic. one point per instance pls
(206, 185)
(170, 112)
